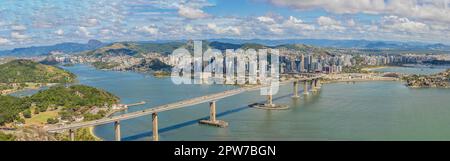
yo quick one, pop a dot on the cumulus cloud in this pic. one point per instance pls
(351, 23)
(328, 23)
(18, 35)
(83, 31)
(4, 41)
(189, 28)
(266, 19)
(152, 29)
(18, 27)
(59, 32)
(297, 24)
(435, 10)
(396, 23)
(191, 13)
(91, 22)
(223, 30)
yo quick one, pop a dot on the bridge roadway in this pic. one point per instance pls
(167, 107)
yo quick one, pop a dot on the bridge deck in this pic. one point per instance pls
(167, 107)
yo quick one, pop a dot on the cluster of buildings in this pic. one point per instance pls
(311, 63)
(291, 61)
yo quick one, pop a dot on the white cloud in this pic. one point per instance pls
(59, 32)
(435, 10)
(91, 22)
(105, 31)
(351, 23)
(327, 23)
(152, 30)
(266, 19)
(83, 31)
(18, 27)
(18, 35)
(297, 24)
(224, 30)
(403, 24)
(4, 41)
(191, 13)
(372, 28)
(189, 28)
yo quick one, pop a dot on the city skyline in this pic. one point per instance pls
(31, 23)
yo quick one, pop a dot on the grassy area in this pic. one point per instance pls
(82, 134)
(41, 118)
(6, 137)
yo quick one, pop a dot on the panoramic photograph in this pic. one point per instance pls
(225, 70)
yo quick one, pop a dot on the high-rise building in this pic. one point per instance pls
(302, 63)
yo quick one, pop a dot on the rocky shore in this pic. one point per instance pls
(440, 80)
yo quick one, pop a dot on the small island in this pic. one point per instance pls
(440, 80)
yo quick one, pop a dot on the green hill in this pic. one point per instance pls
(135, 49)
(27, 71)
(138, 48)
(75, 100)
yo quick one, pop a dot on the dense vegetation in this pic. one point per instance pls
(155, 65)
(6, 137)
(25, 71)
(10, 107)
(439, 80)
(75, 100)
(104, 65)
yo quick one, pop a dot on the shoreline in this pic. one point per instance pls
(92, 133)
(377, 67)
(13, 91)
(364, 80)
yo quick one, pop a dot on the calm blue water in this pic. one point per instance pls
(341, 111)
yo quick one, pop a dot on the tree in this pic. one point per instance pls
(52, 121)
(27, 113)
(36, 111)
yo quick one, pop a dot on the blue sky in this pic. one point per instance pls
(34, 23)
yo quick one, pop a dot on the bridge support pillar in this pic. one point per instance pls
(319, 85)
(212, 111)
(295, 90)
(72, 134)
(212, 117)
(117, 130)
(155, 127)
(305, 88)
(313, 85)
(269, 100)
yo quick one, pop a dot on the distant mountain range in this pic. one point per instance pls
(363, 44)
(166, 47)
(63, 47)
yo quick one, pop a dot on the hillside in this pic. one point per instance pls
(134, 49)
(73, 98)
(63, 47)
(27, 71)
(65, 102)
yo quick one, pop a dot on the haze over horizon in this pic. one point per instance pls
(32, 23)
